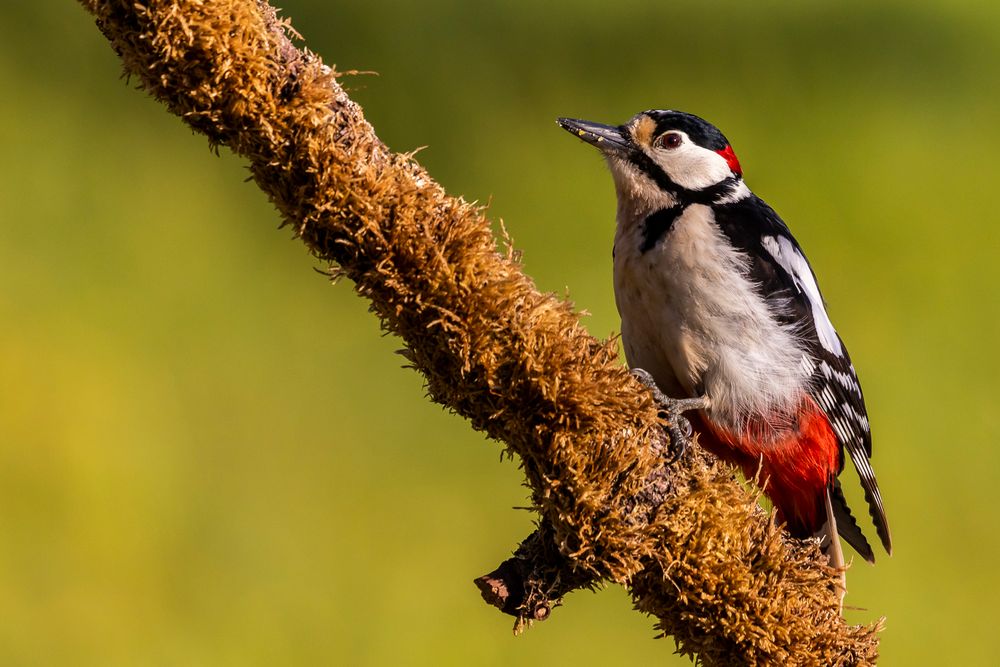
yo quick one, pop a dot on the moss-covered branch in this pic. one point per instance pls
(688, 540)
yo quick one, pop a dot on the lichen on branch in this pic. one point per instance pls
(687, 539)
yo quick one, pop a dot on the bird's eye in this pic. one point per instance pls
(669, 140)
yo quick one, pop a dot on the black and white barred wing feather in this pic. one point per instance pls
(838, 393)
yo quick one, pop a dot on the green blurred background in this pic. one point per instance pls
(210, 456)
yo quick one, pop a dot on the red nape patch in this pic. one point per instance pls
(731, 160)
(794, 470)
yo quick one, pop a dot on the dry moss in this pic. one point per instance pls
(713, 569)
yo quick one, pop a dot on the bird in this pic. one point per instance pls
(721, 314)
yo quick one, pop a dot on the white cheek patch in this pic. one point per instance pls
(790, 259)
(691, 166)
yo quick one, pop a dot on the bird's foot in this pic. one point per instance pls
(673, 410)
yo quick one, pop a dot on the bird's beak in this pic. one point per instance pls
(608, 139)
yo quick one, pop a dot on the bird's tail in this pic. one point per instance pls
(830, 544)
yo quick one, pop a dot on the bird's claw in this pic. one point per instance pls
(678, 426)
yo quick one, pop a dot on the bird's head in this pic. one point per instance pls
(663, 155)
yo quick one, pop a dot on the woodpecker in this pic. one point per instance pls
(721, 308)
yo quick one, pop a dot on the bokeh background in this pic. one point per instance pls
(210, 456)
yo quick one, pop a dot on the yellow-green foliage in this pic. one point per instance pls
(710, 565)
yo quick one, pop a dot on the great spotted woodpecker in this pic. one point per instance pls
(720, 306)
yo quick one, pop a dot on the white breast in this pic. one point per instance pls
(692, 318)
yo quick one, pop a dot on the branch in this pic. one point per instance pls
(687, 539)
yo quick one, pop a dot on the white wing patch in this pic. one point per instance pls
(792, 261)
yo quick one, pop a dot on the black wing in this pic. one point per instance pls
(786, 280)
